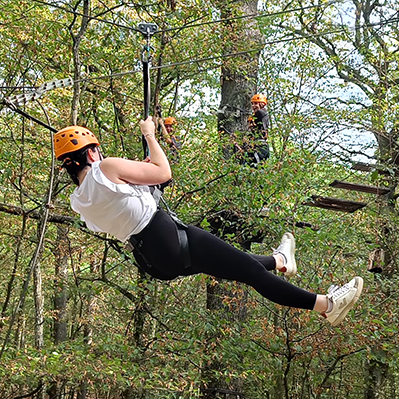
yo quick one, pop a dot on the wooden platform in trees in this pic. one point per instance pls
(367, 167)
(360, 187)
(334, 204)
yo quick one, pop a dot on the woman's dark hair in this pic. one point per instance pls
(76, 161)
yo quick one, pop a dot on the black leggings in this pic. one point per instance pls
(210, 255)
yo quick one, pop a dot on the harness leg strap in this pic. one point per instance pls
(181, 227)
(183, 240)
(184, 247)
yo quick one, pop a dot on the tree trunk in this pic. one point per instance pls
(88, 327)
(60, 296)
(377, 374)
(60, 286)
(39, 306)
(10, 284)
(238, 86)
(214, 386)
(239, 75)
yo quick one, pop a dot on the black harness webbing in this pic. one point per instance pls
(137, 243)
(183, 240)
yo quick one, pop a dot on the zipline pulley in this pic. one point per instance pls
(147, 29)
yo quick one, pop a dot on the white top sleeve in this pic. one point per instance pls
(117, 209)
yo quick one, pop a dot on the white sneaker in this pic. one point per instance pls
(343, 299)
(287, 250)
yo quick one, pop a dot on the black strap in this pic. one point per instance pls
(183, 240)
(184, 247)
(181, 234)
(156, 193)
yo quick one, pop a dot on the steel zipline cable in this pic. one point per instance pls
(189, 25)
(13, 104)
(390, 20)
(229, 55)
(198, 60)
(257, 15)
(69, 81)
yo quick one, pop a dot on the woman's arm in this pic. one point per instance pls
(155, 171)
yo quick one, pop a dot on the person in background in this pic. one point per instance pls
(168, 135)
(255, 148)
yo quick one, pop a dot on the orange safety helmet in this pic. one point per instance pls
(259, 98)
(72, 138)
(170, 121)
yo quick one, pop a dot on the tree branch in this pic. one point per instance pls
(35, 214)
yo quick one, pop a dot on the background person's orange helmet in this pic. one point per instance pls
(259, 98)
(170, 121)
(72, 138)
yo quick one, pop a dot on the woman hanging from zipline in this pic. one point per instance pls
(114, 196)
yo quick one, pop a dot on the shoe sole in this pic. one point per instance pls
(349, 306)
(292, 272)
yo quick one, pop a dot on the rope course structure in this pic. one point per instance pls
(14, 103)
(21, 99)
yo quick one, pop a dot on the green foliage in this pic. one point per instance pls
(274, 351)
